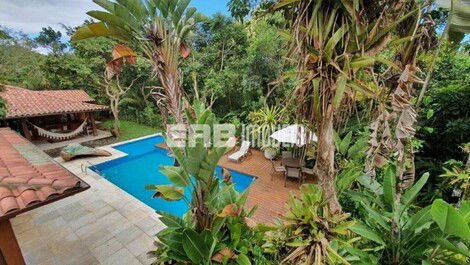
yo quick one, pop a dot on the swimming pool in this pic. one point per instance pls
(141, 166)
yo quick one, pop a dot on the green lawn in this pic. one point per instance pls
(130, 130)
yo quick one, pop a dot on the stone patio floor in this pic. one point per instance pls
(106, 225)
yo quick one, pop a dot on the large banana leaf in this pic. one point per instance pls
(195, 247)
(366, 232)
(176, 175)
(411, 193)
(100, 29)
(166, 192)
(389, 186)
(450, 221)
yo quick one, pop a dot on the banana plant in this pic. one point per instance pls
(401, 235)
(160, 28)
(216, 228)
(197, 164)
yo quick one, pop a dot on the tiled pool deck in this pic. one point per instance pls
(105, 225)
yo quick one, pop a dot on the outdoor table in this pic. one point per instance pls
(291, 162)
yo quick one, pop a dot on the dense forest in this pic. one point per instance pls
(258, 66)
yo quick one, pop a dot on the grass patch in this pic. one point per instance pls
(131, 130)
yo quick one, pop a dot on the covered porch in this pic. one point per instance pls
(52, 118)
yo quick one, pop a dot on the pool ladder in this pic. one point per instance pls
(84, 168)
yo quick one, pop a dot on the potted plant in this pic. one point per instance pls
(270, 150)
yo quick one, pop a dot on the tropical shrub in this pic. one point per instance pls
(266, 119)
(310, 234)
(457, 174)
(231, 240)
(398, 234)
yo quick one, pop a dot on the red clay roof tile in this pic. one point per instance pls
(24, 185)
(28, 103)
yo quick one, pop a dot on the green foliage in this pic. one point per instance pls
(457, 175)
(216, 226)
(131, 130)
(266, 118)
(239, 8)
(349, 159)
(401, 235)
(235, 66)
(310, 234)
(449, 101)
(19, 62)
(3, 110)
(51, 39)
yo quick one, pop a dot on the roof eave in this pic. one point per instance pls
(51, 114)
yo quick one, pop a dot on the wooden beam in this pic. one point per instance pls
(25, 129)
(10, 252)
(91, 115)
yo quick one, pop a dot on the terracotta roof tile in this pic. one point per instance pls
(75, 95)
(28, 103)
(24, 185)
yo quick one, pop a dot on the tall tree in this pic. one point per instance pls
(334, 43)
(19, 62)
(239, 8)
(160, 28)
(51, 39)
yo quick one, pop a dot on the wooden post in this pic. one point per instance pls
(10, 252)
(91, 115)
(25, 128)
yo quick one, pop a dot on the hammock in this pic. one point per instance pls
(60, 136)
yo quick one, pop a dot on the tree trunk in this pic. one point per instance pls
(324, 165)
(115, 111)
(172, 88)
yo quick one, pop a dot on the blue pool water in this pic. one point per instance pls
(141, 167)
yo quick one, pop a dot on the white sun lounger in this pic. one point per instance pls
(243, 152)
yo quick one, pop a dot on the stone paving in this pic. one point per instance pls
(103, 225)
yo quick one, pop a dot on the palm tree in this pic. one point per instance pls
(335, 42)
(160, 27)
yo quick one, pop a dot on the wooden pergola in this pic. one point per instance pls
(61, 112)
(28, 179)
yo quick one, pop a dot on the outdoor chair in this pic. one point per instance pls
(293, 173)
(277, 169)
(242, 153)
(307, 172)
(286, 154)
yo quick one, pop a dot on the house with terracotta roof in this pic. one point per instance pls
(52, 115)
(28, 179)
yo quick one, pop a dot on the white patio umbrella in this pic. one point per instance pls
(294, 134)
